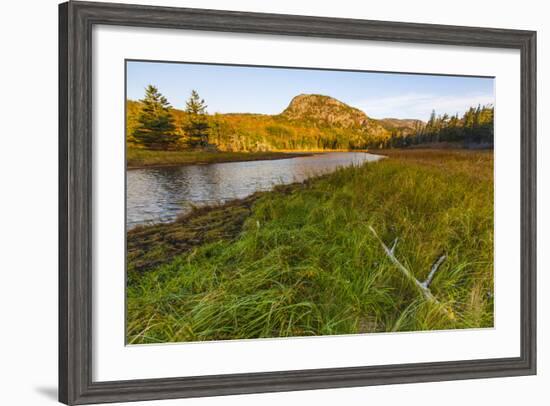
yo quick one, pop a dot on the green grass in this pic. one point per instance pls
(138, 158)
(303, 260)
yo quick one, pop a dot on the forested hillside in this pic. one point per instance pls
(309, 123)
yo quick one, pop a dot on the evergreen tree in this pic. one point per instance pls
(196, 128)
(155, 128)
(475, 127)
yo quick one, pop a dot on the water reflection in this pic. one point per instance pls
(161, 194)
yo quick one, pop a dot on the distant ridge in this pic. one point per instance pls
(403, 125)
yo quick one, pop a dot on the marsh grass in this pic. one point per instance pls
(140, 158)
(304, 262)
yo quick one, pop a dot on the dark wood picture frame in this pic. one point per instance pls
(76, 20)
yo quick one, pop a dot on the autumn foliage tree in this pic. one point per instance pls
(155, 127)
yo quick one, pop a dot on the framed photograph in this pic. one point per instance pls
(258, 202)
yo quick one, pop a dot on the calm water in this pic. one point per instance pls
(161, 194)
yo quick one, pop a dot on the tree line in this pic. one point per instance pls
(476, 126)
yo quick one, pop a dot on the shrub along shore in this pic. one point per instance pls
(302, 260)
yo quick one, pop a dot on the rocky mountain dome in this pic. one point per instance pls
(325, 111)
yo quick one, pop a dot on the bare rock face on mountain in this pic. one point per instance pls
(324, 111)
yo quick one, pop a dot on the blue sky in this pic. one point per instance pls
(237, 89)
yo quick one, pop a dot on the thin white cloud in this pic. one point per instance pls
(416, 105)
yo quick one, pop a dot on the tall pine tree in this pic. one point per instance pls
(196, 128)
(155, 129)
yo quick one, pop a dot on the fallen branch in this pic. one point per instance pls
(392, 249)
(423, 287)
(434, 269)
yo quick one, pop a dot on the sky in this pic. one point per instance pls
(247, 89)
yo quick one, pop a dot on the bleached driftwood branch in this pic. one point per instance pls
(434, 269)
(423, 287)
(392, 249)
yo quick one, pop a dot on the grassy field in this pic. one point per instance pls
(302, 260)
(139, 158)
